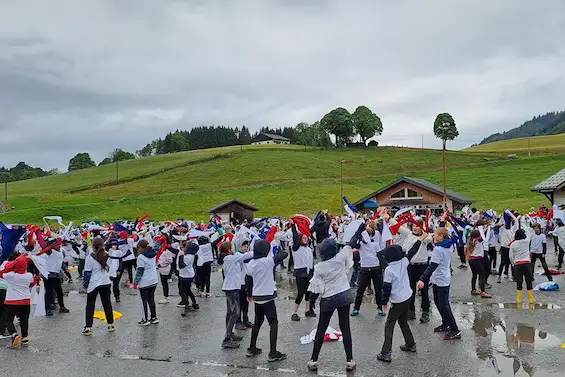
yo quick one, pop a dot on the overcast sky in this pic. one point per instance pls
(94, 75)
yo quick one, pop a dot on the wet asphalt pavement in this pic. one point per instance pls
(499, 339)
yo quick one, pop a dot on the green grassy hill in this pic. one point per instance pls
(279, 180)
(536, 145)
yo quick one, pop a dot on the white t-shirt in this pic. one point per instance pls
(204, 254)
(149, 276)
(233, 267)
(442, 274)
(396, 273)
(188, 271)
(99, 276)
(536, 243)
(18, 292)
(368, 250)
(330, 276)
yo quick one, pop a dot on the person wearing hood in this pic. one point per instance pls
(53, 264)
(439, 274)
(331, 283)
(397, 288)
(18, 297)
(96, 281)
(520, 257)
(146, 280)
(185, 264)
(303, 267)
(232, 265)
(262, 290)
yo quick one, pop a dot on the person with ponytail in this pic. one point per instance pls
(96, 281)
(475, 256)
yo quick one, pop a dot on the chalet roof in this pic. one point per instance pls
(274, 136)
(555, 182)
(455, 196)
(233, 201)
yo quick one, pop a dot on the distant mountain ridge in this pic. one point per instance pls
(549, 124)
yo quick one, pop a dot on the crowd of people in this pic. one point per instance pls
(394, 253)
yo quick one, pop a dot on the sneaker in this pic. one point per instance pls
(144, 322)
(195, 306)
(248, 324)
(486, 295)
(369, 292)
(118, 300)
(87, 331)
(25, 341)
(253, 351)
(208, 295)
(411, 315)
(154, 321)
(511, 278)
(499, 280)
(381, 313)
(312, 366)
(310, 313)
(425, 318)
(453, 335)
(230, 344)
(355, 313)
(5, 336)
(442, 328)
(163, 301)
(462, 266)
(48, 313)
(111, 328)
(16, 341)
(488, 286)
(64, 311)
(386, 357)
(182, 304)
(70, 281)
(236, 338)
(475, 293)
(350, 366)
(276, 356)
(295, 317)
(407, 348)
(240, 326)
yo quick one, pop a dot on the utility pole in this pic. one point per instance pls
(529, 151)
(117, 173)
(6, 189)
(422, 141)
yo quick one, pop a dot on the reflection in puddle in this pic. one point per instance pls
(509, 349)
(513, 305)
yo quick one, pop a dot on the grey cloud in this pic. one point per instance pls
(72, 72)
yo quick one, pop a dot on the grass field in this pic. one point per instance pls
(279, 180)
(535, 145)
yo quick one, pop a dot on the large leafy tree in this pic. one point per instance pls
(81, 161)
(445, 129)
(366, 123)
(121, 155)
(105, 161)
(338, 122)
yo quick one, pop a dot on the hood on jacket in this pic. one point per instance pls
(327, 249)
(149, 254)
(18, 265)
(203, 240)
(448, 242)
(261, 249)
(393, 253)
(192, 248)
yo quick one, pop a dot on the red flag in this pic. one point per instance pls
(303, 224)
(427, 223)
(271, 235)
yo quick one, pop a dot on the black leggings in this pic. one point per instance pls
(268, 310)
(53, 287)
(523, 272)
(148, 297)
(185, 292)
(366, 276)
(492, 256)
(116, 286)
(104, 291)
(541, 257)
(324, 321)
(478, 270)
(461, 253)
(243, 305)
(505, 261)
(20, 311)
(560, 257)
(303, 292)
(129, 265)
(165, 284)
(204, 272)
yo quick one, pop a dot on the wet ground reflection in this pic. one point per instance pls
(510, 349)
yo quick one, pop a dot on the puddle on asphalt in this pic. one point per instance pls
(513, 305)
(510, 349)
